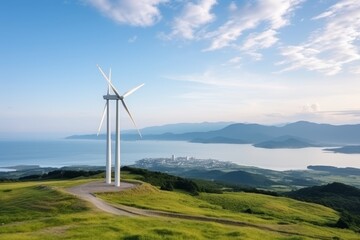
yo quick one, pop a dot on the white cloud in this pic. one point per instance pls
(274, 14)
(310, 108)
(306, 57)
(193, 16)
(226, 80)
(133, 12)
(329, 49)
(234, 62)
(256, 41)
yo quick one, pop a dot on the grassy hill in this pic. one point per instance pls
(275, 214)
(341, 197)
(43, 210)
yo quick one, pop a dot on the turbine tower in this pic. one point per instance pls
(116, 96)
(108, 134)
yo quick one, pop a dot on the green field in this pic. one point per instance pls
(43, 210)
(277, 213)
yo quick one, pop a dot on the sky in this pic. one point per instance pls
(259, 61)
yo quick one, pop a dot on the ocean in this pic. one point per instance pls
(57, 153)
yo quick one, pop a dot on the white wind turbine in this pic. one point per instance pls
(116, 97)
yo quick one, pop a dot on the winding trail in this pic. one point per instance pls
(86, 192)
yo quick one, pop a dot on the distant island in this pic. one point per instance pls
(345, 149)
(300, 134)
(335, 170)
(287, 142)
(219, 140)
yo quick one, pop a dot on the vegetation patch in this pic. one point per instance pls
(272, 207)
(341, 197)
(37, 201)
(164, 181)
(62, 174)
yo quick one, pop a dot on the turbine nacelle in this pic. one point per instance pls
(112, 97)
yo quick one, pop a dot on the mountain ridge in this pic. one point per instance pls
(311, 134)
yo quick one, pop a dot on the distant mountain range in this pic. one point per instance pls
(294, 135)
(179, 128)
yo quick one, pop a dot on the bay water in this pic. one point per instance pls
(57, 153)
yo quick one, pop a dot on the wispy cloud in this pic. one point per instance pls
(252, 26)
(273, 14)
(329, 49)
(133, 12)
(353, 113)
(214, 78)
(257, 41)
(192, 17)
(132, 39)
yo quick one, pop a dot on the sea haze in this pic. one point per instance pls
(56, 153)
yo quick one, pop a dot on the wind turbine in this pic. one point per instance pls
(115, 97)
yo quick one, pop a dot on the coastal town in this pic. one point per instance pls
(183, 162)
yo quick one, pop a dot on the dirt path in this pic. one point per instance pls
(85, 192)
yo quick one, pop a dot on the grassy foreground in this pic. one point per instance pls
(42, 210)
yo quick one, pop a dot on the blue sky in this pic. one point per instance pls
(268, 61)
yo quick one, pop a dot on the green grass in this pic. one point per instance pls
(102, 226)
(34, 202)
(149, 197)
(42, 210)
(279, 208)
(228, 205)
(276, 213)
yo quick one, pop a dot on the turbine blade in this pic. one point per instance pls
(132, 119)
(109, 87)
(102, 119)
(109, 82)
(132, 90)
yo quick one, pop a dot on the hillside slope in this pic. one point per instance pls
(341, 197)
(43, 210)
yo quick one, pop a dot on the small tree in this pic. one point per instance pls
(167, 186)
